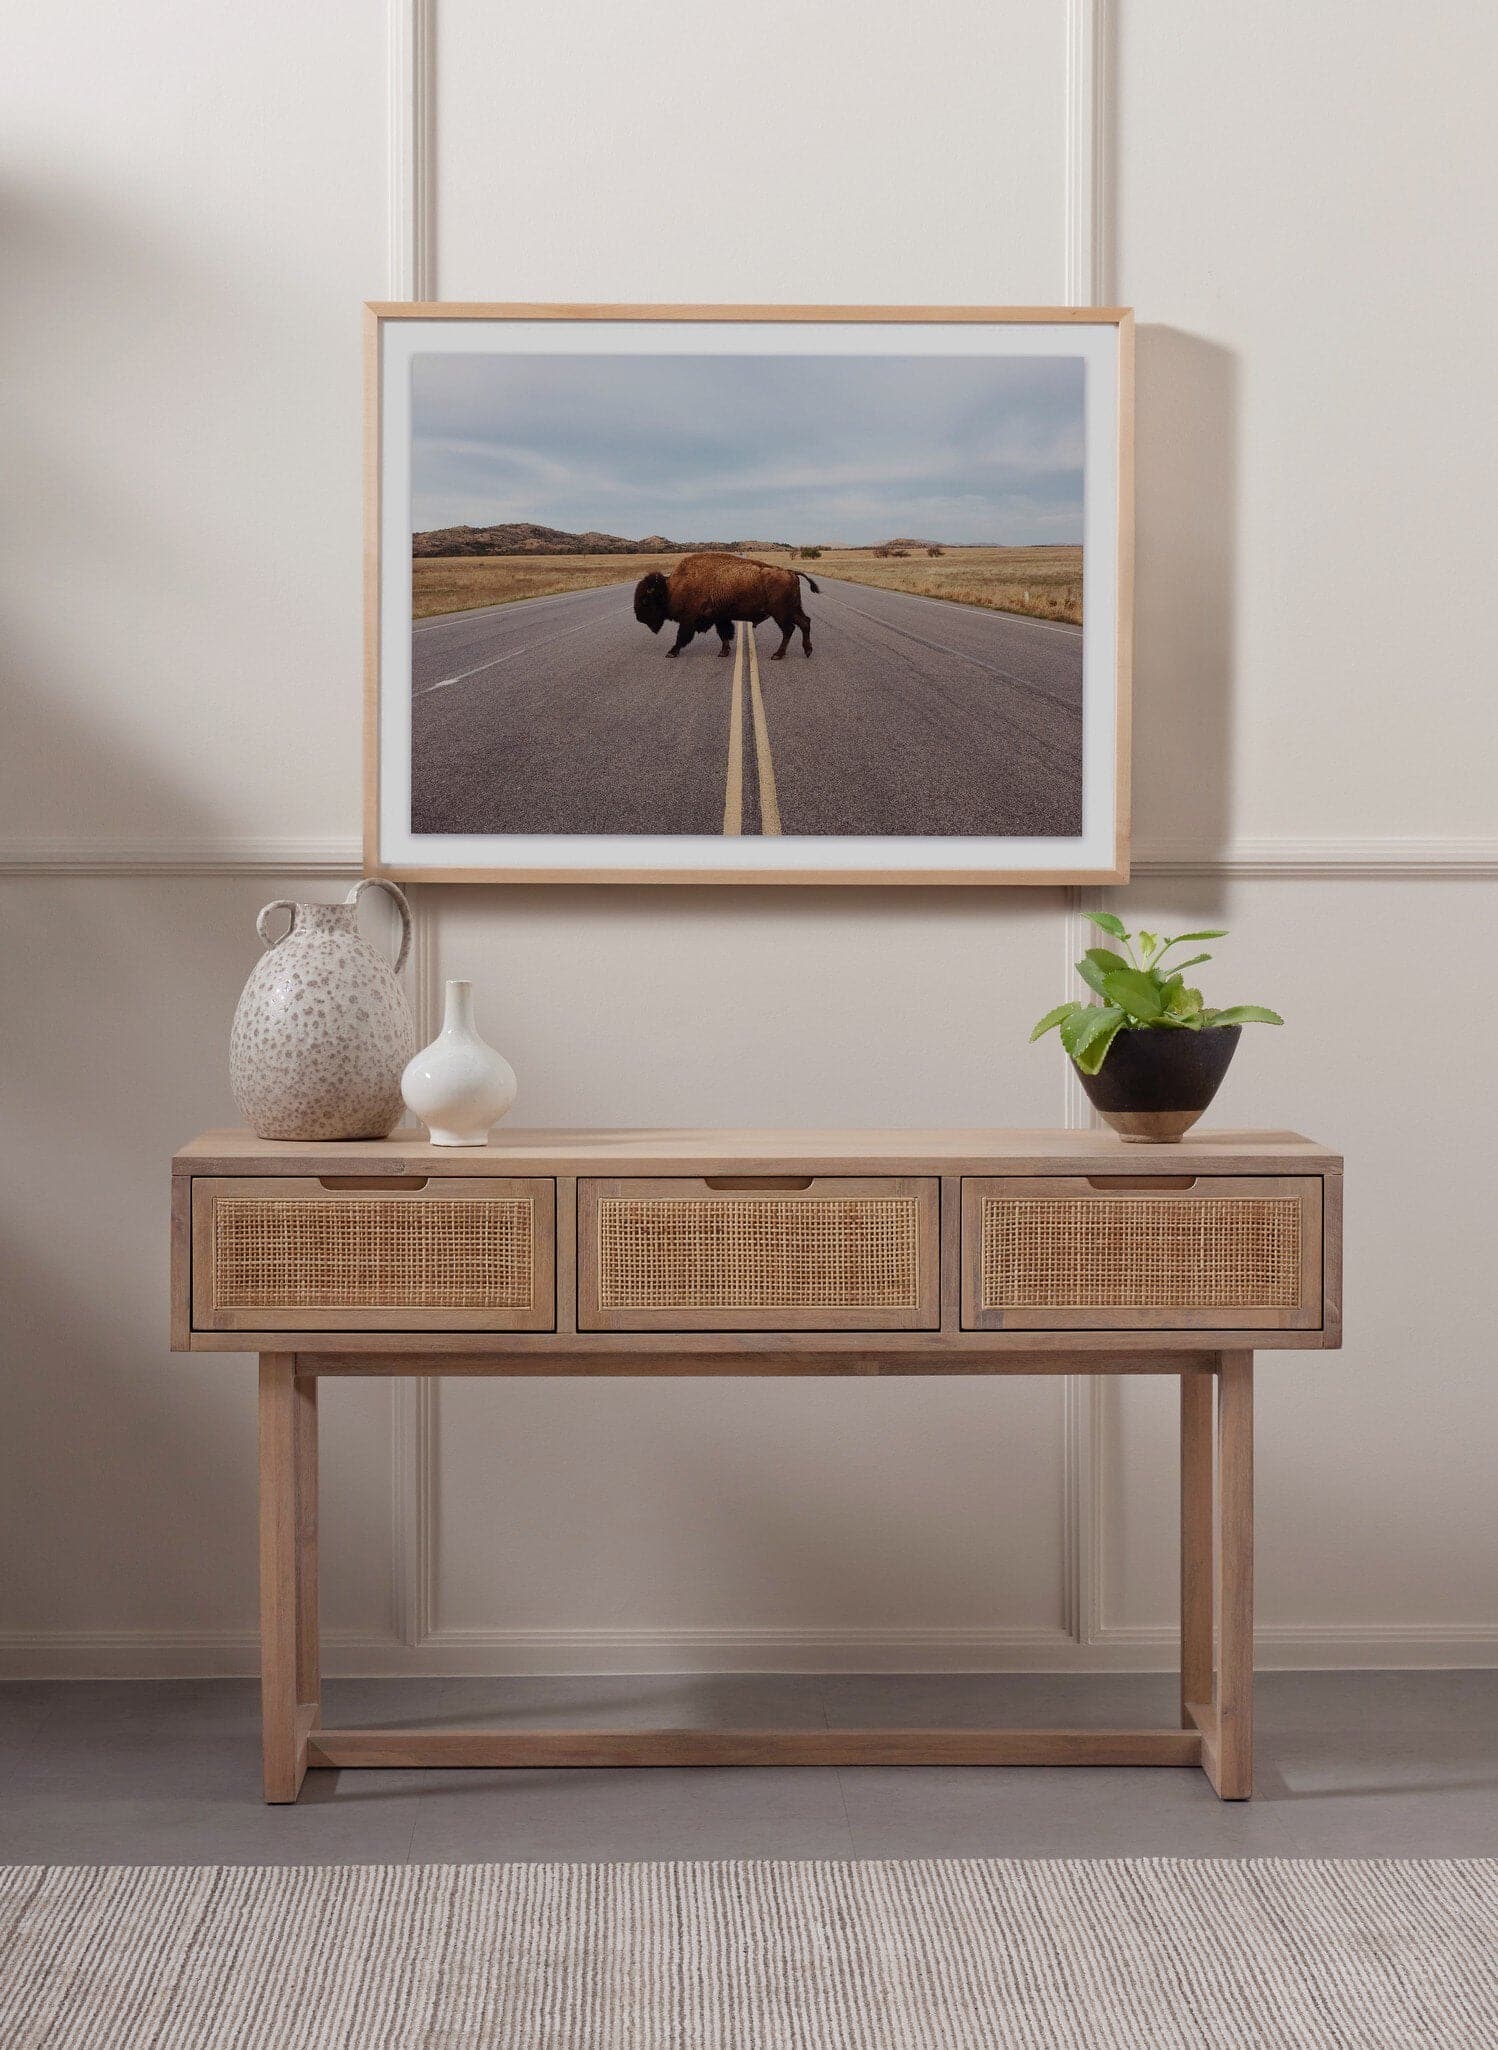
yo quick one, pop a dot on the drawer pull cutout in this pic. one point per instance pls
(1141, 1183)
(382, 1182)
(757, 1181)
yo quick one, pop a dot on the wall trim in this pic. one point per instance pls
(352, 1653)
(1087, 113)
(1081, 1398)
(251, 855)
(411, 202)
(1083, 247)
(413, 1398)
(412, 242)
(1392, 858)
(1387, 858)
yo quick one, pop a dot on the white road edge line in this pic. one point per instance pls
(514, 654)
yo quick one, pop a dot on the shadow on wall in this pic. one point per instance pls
(106, 788)
(1186, 542)
(152, 583)
(98, 541)
(128, 1501)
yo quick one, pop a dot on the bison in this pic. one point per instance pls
(713, 589)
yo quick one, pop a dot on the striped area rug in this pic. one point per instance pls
(960, 1955)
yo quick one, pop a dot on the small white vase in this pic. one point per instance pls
(459, 1086)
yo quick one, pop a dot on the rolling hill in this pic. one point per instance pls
(524, 537)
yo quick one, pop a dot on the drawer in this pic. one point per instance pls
(744, 1252)
(1138, 1252)
(417, 1253)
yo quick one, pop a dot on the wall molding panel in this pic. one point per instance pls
(1094, 229)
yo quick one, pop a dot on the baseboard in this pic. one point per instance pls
(160, 1654)
(199, 1654)
(1319, 1647)
(747, 1649)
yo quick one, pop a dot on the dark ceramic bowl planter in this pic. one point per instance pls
(1156, 1052)
(1156, 1081)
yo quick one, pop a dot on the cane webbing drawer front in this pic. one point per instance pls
(1058, 1252)
(743, 1252)
(294, 1254)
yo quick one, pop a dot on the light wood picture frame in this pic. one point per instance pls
(866, 530)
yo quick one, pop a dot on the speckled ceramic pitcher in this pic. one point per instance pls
(322, 1031)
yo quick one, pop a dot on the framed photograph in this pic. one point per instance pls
(748, 594)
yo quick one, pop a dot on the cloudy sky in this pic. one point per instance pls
(724, 448)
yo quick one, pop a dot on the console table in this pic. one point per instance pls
(793, 1253)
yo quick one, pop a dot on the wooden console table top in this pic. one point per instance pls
(514, 1149)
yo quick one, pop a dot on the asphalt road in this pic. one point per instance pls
(912, 717)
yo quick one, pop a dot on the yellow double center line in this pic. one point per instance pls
(733, 795)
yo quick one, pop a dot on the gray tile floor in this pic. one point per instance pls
(165, 1772)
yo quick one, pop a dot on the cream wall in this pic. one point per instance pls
(196, 204)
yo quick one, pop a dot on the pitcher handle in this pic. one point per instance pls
(398, 898)
(281, 904)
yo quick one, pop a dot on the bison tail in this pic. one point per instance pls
(811, 582)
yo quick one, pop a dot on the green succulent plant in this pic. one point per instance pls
(1138, 988)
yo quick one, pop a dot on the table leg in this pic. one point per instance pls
(1196, 1544)
(283, 1725)
(308, 1656)
(1233, 1778)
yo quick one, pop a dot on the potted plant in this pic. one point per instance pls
(1149, 1052)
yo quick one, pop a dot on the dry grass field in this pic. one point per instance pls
(461, 583)
(1044, 582)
